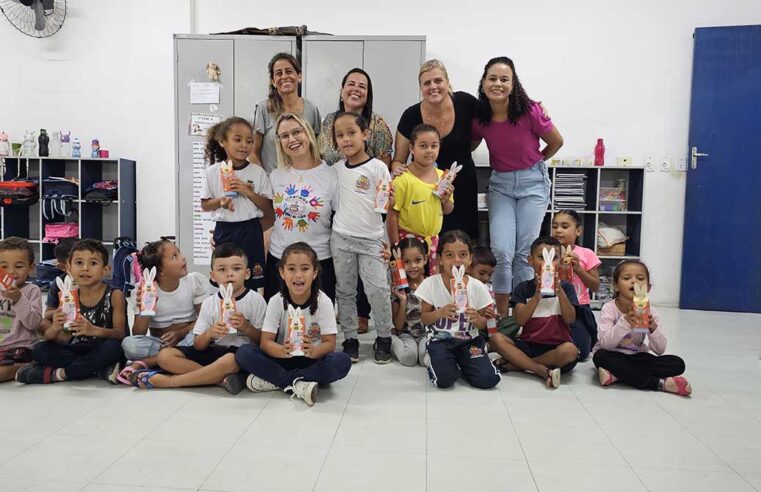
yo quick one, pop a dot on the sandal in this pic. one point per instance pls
(141, 378)
(553, 378)
(125, 377)
(500, 363)
(683, 387)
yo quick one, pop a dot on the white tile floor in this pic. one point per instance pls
(386, 428)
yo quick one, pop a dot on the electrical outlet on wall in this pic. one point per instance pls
(649, 164)
(681, 164)
(666, 165)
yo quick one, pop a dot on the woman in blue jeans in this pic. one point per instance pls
(519, 189)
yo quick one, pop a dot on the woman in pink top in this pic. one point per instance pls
(519, 188)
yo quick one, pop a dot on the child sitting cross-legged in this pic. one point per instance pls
(211, 358)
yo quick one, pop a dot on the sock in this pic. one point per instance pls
(59, 375)
(661, 384)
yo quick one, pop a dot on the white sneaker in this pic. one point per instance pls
(306, 390)
(259, 385)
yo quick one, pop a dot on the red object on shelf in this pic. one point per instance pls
(599, 153)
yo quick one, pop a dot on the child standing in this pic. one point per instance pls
(357, 239)
(20, 308)
(271, 364)
(417, 212)
(211, 357)
(625, 355)
(566, 228)
(409, 340)
(92, 345)
(238, 218)
(180, 295)
(546, 336)
(455, 344)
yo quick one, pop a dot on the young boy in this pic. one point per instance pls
(92, 344)
(20, 309)
(211, 359)
(545, 346)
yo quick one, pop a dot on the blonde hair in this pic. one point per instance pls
(432, 64)
(283, 159)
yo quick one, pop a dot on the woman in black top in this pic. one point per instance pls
(451, 114)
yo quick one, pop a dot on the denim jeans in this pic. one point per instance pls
(517, 204)
(139, 347)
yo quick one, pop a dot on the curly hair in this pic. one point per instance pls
(518, 102)
(217, 134)
(150, 255)
(14, 243)
(314, 292)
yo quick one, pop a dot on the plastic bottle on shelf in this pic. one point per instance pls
(599, 153)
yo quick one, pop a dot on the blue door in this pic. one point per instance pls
(721, 257)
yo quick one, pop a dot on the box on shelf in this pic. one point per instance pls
(612, 199)
(615, 250)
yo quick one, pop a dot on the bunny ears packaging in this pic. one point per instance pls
(227, 174)
(148, 293)
(6, 281)
(459, 286)
(227, 306)
(68, 300)
(548, 272)
(382, 195)
(447, 179)
(295, 331)
(565, 269)
(398, 273)
(641, 308)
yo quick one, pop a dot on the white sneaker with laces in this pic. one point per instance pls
(306, 390)
(259, 385)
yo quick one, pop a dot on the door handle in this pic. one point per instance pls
(694, 154)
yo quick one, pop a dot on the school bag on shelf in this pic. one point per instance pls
(47, 272)
(56, 231)
(19, 191)
(102, 191)
(58, 195)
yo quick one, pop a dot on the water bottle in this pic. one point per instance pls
(599, 153)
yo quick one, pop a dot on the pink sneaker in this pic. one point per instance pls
(606, 378)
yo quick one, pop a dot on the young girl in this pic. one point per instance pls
(625, 355)
(238, 217)
(180, 295)
(455, 345)
(271, 364)
(305, 194)
(408, 342)
(566, 228)
(417, 212)
(357, 239)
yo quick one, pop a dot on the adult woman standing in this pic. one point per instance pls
(451, 114)
(519, 188)
(285, 79)
(305, 191)
(357, 97)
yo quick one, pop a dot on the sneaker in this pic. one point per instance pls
(382, 347)
(606, 378)
(553, 378)
(110, 373)
(36, 374)
(351, 348)
(306, 390)
(258, 385)
(234, 383)
(677, 385)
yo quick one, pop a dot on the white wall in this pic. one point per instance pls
(618, 70)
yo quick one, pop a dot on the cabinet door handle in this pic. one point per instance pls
(694, 154)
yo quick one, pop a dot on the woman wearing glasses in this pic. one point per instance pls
(304, 196)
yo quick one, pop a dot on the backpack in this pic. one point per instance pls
(102, 191)
(19, 191)
(58, 195)
(124, 261)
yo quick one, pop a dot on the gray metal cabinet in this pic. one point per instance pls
(243, 81)
(392, 62)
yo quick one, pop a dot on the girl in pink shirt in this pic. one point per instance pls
(631, 355)
(566, 228)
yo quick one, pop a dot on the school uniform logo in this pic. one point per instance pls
(362, 185)
(476, 352)
(257, 271)
(297, 207)
(313, 332)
